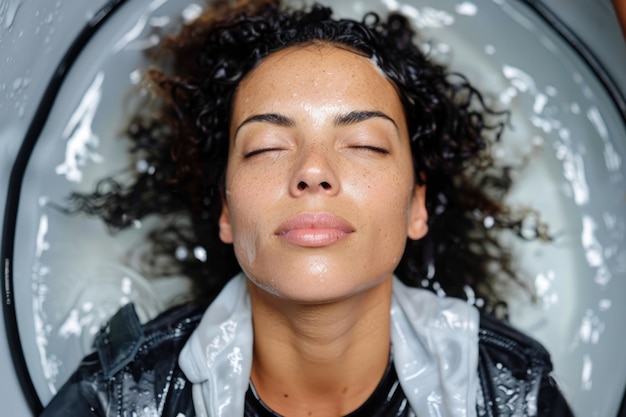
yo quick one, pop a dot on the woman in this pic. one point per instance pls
(312, 149)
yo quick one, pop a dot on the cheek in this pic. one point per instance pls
(243, 233)
(391, 207)
(242, 220)
(390, 192)
(250, 201)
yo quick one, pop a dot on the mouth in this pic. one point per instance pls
(314, 230)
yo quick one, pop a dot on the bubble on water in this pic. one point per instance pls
(427, 17)
(537, 141)
(142, 166)
(17, 83)
(586, 373)
(181, 253)
(466, 8)
(200, 253)
(126, 286)
(159, 21)
(191, 12)
(488, 222)
(604, 304)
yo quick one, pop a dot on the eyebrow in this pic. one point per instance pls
(360, 116)
(346, 119)
(272, 118)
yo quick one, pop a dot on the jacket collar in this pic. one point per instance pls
(434, 346)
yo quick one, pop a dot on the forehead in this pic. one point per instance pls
(314, 56)
(317, 58)
(315, 73)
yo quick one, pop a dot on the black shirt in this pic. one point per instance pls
(387, 400)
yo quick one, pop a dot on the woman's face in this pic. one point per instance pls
(320, 192)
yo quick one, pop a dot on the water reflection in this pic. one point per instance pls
(8, 11)
(81, 141)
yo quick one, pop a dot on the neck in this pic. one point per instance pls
(323, 359)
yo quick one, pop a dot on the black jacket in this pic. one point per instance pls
(134, 371)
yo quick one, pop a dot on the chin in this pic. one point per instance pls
(315, 290)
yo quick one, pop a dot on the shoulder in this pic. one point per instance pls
(505, 345)
(130, 357)
(123, 339)
(515, 373)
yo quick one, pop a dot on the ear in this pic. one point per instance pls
(226, 232)
(418, 216)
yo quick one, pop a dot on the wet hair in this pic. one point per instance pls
(184, 140)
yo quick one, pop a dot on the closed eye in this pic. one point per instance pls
(260, 151)
(372, 148)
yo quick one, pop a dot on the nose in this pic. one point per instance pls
(314, 173)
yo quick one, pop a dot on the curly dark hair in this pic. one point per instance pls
(185, 142)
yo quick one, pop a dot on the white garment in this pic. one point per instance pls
(434, 343)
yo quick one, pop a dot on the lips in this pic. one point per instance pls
(314, 229)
